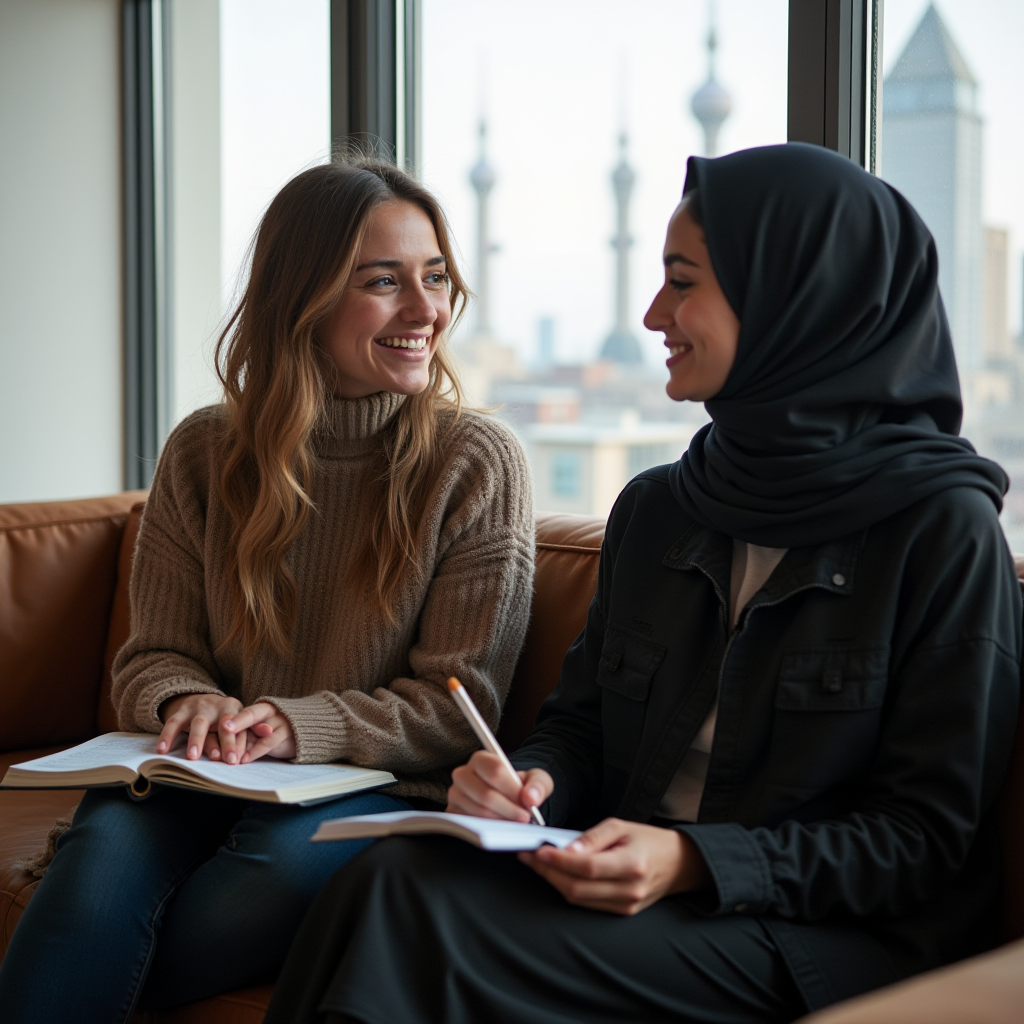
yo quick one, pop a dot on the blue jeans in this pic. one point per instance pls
(167, 901)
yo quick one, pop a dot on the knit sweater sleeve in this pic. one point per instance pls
(472, 623)
(167, 653)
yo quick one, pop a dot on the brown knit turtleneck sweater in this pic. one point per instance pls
(357, 688)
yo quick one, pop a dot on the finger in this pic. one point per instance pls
(248, 717)
(170, 731)
(233, 742)
(212, 748)
(618, 897)
(265, 745)
(489, 768)
(460, 803)
(479, 794)
(197, 736)
(537, 787)
(602, 836)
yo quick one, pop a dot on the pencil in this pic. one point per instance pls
(485, 736)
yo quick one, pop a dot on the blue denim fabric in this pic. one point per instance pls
(165, 901)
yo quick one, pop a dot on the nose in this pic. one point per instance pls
(418, 308)
(659, 315)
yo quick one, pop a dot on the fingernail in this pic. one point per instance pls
(229, 724)
(232, 758)
(193, 751)
(161, 747)
(214, 755)
(533, 794)
(576, 845)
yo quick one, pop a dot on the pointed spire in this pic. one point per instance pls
(482, 178)
(620, 346)
(711, 103)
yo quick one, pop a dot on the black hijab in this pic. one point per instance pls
(843, 405)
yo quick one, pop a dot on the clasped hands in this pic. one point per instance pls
(617, 866)
(224, 730)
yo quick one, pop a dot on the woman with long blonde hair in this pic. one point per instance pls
(318, 554)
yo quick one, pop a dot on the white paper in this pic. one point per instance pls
(493, 833)
(132, 750)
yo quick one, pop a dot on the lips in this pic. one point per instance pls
(412, 344)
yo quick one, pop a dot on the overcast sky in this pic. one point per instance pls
(557, 80)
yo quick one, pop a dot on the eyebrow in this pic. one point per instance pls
(394, 264)
(675, 257)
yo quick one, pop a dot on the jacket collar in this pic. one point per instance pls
(831, 566)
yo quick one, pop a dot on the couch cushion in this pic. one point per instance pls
(568, 551)
(25, 818)
(58, 563)
(117, 631)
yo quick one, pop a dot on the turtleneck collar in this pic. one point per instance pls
(353, 423)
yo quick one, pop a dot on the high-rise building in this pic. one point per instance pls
(711, 104)
(932, 154)
(621, 346)
(998, 344)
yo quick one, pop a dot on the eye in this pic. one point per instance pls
(439, 277)
(384, 282)
(680, 286)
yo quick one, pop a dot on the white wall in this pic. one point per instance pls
(60, 249)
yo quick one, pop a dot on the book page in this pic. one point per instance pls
(128, 749)
(491, 833)
(266, 773)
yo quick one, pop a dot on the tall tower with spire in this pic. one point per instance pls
(482, 179)
(621, 346)
(711, 103)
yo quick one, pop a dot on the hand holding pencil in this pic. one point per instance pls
(487, 786)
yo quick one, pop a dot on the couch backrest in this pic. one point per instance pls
(58, 564)
(568, 551)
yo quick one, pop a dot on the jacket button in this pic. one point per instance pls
(838, 579)
(740, 908)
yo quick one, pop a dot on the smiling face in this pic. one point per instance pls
(701, 329)
(386, 326)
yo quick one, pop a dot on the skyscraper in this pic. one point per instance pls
(931, 134)
(711, 103)
(621, 346)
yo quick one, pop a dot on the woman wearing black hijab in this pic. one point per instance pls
(792, 706)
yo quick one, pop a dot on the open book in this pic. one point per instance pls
(130, 758)
(487, 833)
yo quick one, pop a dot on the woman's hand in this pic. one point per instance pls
(482, 787)
(199, 713)
(622, 867)
(274, 732)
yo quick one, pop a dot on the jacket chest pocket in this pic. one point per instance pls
(624, 673)
(828, 705)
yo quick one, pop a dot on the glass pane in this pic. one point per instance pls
(953, 143)
(250, 108)
(588, 110)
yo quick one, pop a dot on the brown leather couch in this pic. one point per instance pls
(64, 570)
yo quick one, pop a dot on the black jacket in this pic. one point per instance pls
(867, 700)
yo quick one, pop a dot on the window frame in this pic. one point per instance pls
(834, 100)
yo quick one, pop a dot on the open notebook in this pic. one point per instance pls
(487, 833)
(130, 759)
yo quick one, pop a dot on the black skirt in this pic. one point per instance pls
(433, 930)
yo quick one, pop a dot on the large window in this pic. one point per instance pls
(556, 133)
(249, 108)
(953, 143)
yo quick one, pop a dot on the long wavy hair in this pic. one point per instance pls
(276, 378)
